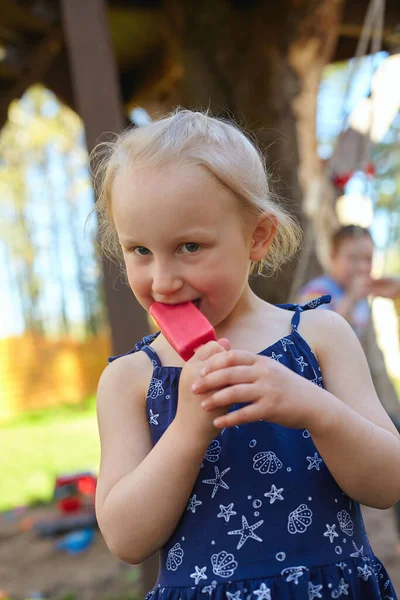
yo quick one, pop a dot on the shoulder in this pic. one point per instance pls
(126, 377)
(326, 331)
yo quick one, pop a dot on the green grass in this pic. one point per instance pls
(40, 445)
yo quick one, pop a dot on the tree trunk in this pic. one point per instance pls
(260, 63)
(98, 101)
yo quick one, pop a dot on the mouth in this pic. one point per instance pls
(197, 302)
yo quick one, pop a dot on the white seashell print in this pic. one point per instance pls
(266, 462)
(175, 557)
(155, 388)
(223, 564)
(345, 522)
(213, 451)
(300, 519)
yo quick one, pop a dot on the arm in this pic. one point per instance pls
(143, 490)
(352, 422)
(386, 287)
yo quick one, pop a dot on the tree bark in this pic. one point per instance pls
(99, 104)
(260, 63)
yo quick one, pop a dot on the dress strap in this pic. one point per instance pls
(299, 308)
(152, 354)
(143, 345)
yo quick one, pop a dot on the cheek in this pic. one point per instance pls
(230, 283)
(136, 277)
(345, 265)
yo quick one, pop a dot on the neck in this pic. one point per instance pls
(249, 303)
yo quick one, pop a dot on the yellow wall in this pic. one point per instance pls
(36, 372)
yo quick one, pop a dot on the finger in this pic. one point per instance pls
(236, 394)
(228, 359)
(247, 414)
(207, 350)
(224, 377)
(224, 343)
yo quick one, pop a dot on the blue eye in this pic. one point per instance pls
(141, 251)
(190, 247)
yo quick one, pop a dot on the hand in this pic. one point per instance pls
(189, 413)
(273, 391)
(386, 287)
(360, 287)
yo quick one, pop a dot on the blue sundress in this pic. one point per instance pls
(265, 519)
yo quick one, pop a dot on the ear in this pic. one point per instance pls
(263, 234)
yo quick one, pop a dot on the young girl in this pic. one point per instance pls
(245, 466)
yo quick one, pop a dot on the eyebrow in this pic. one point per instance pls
(184, 236)
(128, 242)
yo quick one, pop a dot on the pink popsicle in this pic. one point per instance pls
(184, 326)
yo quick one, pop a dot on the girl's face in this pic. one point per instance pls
(353, 258)
(183, 238)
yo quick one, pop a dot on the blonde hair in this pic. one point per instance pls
(198, 139)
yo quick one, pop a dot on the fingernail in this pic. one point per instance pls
(204, 372)
(204, 403)
(217, 422)
(195, 387)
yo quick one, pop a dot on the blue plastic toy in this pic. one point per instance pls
(77, 541)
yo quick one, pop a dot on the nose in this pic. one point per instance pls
(166, 281)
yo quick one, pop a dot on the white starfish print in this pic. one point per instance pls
(285, 342)
(341, 565)
(263, 592)
(364, 572)
(199, 574)
(209, 588)
(153, 418)
(313, 591)
(331, 532)
(193, 502)
(217, 482)
(274, 494)
(226, 512)
(246, 532)
(276, 356)
(300, 361)
(343, 587)
(294, 573)
(314, 462)
(359, 553)
(314, 303)
(235, 596)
